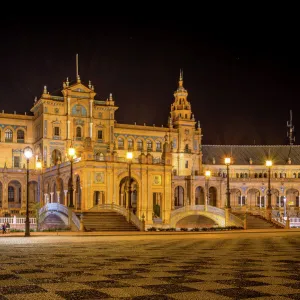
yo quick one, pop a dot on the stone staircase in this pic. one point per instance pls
(258, 222)
(52, 221)
(106, 221)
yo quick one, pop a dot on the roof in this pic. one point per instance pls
(241, 154)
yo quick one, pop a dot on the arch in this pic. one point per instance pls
(78, 201)
(20, 136)
(56, 157)
(149, 145)
(275, 199)
(212, 196)
(253, 197)
(179, 196)
(140, 145)
(120, 143)
(199, 196)
(123, 193)
(78, 132)
(292, 197)
(235, 197)
(158, 145)
(130, 144)
(8, 135)
(14, 194)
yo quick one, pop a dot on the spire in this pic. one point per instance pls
(181, 78)
(77, 73)
(45, 89)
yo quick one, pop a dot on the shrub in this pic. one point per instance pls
(183, 229)
(151, 229)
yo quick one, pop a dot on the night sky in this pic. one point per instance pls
(242, 79)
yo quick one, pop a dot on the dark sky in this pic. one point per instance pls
(242, 78)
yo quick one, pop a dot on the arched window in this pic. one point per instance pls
(20, 136)
(140, 145)
(11, 193)
(255, 175)
(246, 175)
(260, 175)
(237, 175)
(275, 175)
(78, 132)
(130, 144)
(8, 135)
(149, 145)
(158, 146)
(294, 175)
(298, 175)
(120, 143)
(265, 175)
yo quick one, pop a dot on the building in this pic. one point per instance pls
(166, 171)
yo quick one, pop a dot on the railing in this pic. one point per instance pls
(187, 208)
(294, 222)
(236, 220)
(54, 207)
(75, 220)
(136, 221)
(15, 220)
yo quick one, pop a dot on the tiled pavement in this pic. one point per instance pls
(220, 267)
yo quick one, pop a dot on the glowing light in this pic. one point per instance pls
(71, 152)
(28, 152)
(38, 164)
(227, 160)
(269, 163)
(207, 173)
(129, 155)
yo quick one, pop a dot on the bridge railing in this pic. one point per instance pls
(136, 221)
(54, 207)
(16, 221)
(236, 220)
(186, 208)
(76, 220)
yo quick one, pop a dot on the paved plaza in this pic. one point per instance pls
(235, 265)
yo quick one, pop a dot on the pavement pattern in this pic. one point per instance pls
(199, 266)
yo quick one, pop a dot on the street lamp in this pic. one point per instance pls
(269, 207)
(28, 155)
(207, 176)
(129, 157)
(72, 155)
(227, 163)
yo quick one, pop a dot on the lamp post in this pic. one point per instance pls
(227, 163)
(269, 206)
(72, 155)
(129, 156)
(28, 155)
(207, 176)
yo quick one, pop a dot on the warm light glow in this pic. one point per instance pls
(269, 163)
(28, 152)
(129, 155)
(207, 173)
(38, 164)
(71, 152)
(227, 160)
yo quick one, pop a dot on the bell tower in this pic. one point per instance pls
(182, 118)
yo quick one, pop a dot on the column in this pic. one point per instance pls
(68, 129)
(51, 197)
(58, 196)
(66, 197)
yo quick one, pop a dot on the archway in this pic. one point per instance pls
(199, 196)
(235, 197)
(179, 197)
(56, 157)
(78, 193)
(196, 221)
(212, 196)
(14, 194)
(253, 197)
(123, 193)
(275, 198)
(292, 197)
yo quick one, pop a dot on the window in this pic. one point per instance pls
(99, 156)
(130, 144)
(78, 132)
(120, 143)
(149, 145)
(8, 135)
(186, 164)
(56, 131)
(16, 161)
(158, 146)
(100, 135)
(140, 145)
(11, 194)
(100, 116)
(20, 136)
